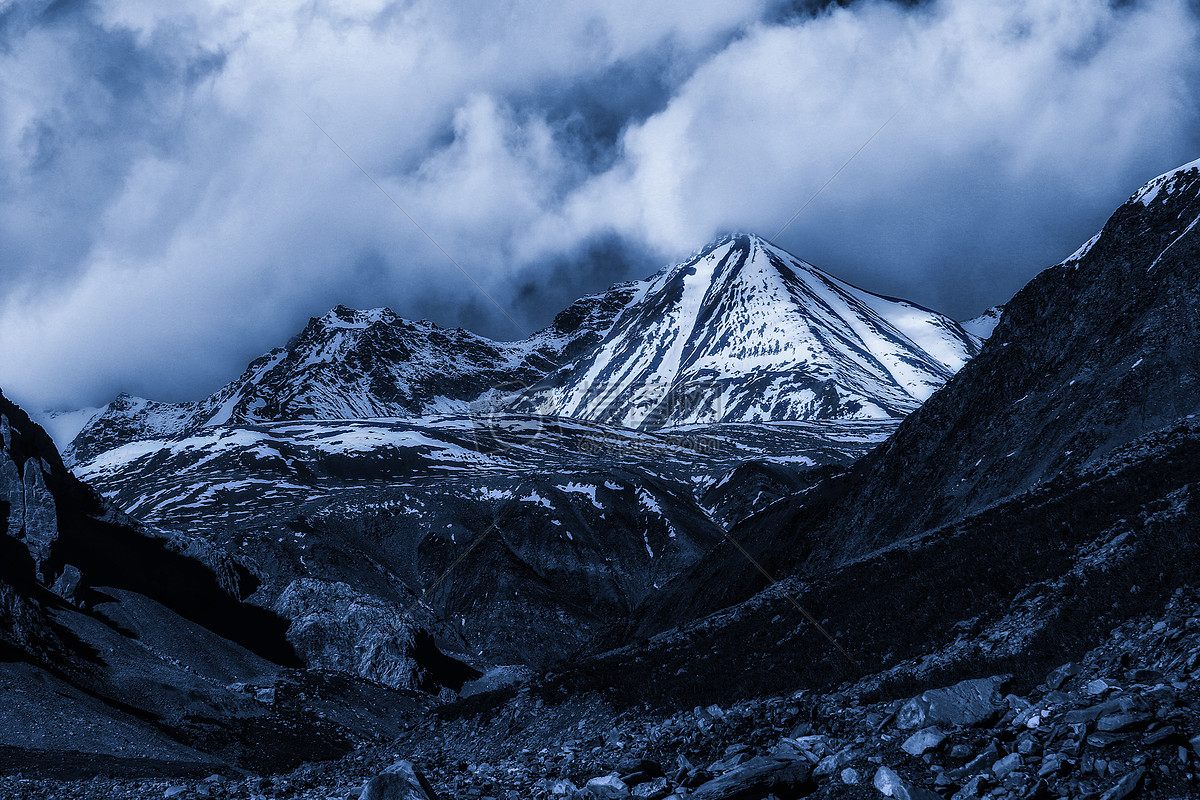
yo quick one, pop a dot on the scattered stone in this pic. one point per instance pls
(890, 784)
(965, 704)
(1059, 676)
(609, 787)
(923, 741)
(653, 789)
(1125, 787)
(1099, 687)
(850, 776)
(887, 781)
(1004, 767)
(1121, 722)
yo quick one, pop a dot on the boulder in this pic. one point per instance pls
(609, 787)
(1125, 787)
(890, 784)
(756, 778)
(971, 702)
(401, 781)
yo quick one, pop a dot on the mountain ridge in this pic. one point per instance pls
(864, 356)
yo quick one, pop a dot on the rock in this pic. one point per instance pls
(401, 781)
(832, 763)
(971, 702)
(890, 784)
(1121, 722)
(1004, 767)
(923, 741)
(973, 788)
(981, 762)
(1099, 687)
(960, 751)
(1125, 787)
(562, 788)
(1159, 736)
(608, 787)
(1051, 765)
(653, 789)
(886, 781)
(1090, 713)
(763, 775)
(1103, 739)
(1195, 743)
(1146, 677)
(67, 582)
(175, 791)
(850, 776)
(338, 627)
(1059, 676)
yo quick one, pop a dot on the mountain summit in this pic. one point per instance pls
(746, 332)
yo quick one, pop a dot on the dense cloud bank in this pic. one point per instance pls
(168, 211)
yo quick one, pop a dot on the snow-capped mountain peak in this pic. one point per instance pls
(744, 331)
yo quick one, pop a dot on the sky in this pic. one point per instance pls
(170, 206)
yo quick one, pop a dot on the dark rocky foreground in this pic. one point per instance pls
(1123, 721)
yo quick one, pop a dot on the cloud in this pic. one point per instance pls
(1018, 127)
(169, 212)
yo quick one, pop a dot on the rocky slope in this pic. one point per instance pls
(554, 528)
(578, 523)
(1092, 354)
(129, 650)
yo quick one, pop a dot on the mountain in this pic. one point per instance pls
(325, 467)
(1044, 496)
(361, 364)
(745, 332)
(998, 599)
(742, 332)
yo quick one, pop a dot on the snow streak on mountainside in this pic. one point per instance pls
(746, 332)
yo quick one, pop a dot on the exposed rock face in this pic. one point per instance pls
(25, 501)
(336, 627)
(1092, 354)
(116, 640)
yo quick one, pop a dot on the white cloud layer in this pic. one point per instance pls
(169, 212)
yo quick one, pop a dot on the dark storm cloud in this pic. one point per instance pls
(168, 211)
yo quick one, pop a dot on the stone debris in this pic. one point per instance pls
(1139, 738)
